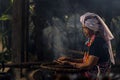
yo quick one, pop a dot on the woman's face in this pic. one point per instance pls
(87, 31)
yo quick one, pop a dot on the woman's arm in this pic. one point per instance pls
(86, 65)
(76, 60)
(68, 59)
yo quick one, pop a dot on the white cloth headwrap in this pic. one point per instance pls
(107, 33)
(92, 24)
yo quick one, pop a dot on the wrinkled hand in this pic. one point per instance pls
(61, 62)
(63, 59)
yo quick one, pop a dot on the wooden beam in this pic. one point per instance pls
(19, 33)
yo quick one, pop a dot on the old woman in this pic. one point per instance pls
(97, 60)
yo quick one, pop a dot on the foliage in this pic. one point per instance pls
(115, 28)
(5, 56)
(11, 1)
(5, 16)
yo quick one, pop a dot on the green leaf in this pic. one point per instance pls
(5, 17)
(11, 1)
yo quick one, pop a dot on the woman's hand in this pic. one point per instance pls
(63, 59)
(75, 65)
(62, 62)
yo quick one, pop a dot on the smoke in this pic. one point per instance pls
(64, 36)
(57, 38)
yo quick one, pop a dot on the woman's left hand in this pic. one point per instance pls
(75, 65)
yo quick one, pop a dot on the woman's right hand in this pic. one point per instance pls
(63, 59)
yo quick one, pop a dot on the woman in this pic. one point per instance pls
(97, 59)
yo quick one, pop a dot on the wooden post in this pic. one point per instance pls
(16, 35)
(25, 33)
(19, 34)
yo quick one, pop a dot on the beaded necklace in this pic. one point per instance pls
(88, 43)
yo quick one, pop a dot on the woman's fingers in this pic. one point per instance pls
(61, 62)
(62, 58)
(57, 61)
